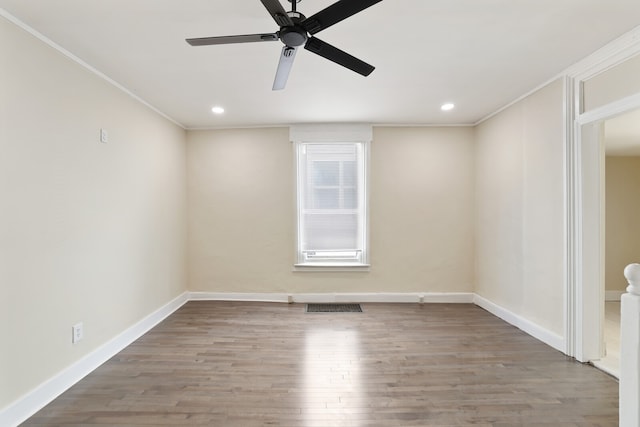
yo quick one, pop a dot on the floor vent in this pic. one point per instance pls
(334, 308)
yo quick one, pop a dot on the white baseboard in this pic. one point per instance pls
(613, 295)
(453, 298)
(606, 368)
(238, 296)
(32, 402)
(381, 297)
(550, 338)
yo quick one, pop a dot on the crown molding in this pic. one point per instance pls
(603, 59)
(85, 65)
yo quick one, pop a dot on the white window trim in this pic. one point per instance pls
(331, 133)
(327, 134)
(331, 267)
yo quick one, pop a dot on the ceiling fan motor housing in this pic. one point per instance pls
(295, 35)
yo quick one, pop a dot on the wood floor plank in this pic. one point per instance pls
(260, 364)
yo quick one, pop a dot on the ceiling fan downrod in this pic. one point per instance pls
(293, 4)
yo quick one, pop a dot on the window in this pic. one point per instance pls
(332, 203)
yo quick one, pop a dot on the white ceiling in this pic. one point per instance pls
(481, 55)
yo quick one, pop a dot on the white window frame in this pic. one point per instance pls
(303, 136)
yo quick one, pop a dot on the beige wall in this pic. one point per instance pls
(242, 213)
(612, 85)
(89, 232)
(622, 224)
(520, 213)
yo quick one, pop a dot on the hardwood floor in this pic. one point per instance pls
(259, 364)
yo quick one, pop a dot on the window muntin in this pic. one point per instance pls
(332, 203)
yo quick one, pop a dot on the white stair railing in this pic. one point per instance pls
(630, 350)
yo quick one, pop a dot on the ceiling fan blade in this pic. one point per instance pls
(277, 12)
(334, 14)
(247, 38)
(284, 67)
(338, 56)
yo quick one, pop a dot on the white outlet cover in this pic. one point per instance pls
(77, 332)
(104, 136)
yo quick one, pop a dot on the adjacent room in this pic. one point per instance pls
(182, 182)
(622, 181)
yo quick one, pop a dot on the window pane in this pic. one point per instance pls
(326, 198)
(326, 173)
(349, 174)
(350, 200)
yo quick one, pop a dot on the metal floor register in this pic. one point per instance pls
(334, 308)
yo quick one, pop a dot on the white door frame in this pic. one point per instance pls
(585, 254)
(584, 197)
(588, 245)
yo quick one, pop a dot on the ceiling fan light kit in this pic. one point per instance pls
(297, 30)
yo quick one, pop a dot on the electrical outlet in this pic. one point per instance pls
(104, 136)
(77, 332)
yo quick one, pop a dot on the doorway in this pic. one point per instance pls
(621, 136)
(608, 138)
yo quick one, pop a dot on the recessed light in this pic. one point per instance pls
(217, 110)
(447, 107)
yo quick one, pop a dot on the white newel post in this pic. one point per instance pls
(630, 350)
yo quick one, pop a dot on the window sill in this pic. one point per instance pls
(331, 266)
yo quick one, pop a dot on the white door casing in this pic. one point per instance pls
(586, 228)
(584, 198)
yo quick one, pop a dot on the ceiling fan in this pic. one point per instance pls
(297, 30)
